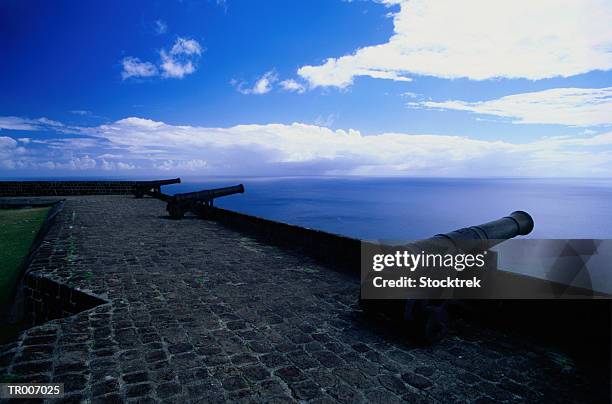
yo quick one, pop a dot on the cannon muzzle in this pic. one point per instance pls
(166, 182)
(219, 192)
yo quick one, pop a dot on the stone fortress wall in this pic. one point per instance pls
(65, 188)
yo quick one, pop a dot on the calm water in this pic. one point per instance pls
(402, 209)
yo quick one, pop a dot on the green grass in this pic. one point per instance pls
(18, 229)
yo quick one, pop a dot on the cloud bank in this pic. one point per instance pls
(479, 40)
(563, 106)
(137, 145)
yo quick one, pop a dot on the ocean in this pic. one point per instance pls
(408, 209)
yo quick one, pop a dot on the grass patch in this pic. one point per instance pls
(18, 229)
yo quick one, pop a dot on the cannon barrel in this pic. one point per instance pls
(209, 194)
(159, 182)
(199, 202)
(518, 223)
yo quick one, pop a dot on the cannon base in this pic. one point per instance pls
(175, 212)
(200, 209)
(203, 211)
(425, 321)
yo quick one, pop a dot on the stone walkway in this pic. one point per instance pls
(200, 313)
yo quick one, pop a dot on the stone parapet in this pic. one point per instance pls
(64, 188)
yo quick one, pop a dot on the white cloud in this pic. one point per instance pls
(173, 68)
(186, 47)
(263, 85)
(107, 165)
(481, 39)
(134, 67)
(293, 86)
(125, 166)
(179, 62)
(7, 144)
(82, 163)
(564, 106)
(144, 145)
(16, 123)
(10, 152)
(186, 165)
(49, 122)
(409, 94)
(277, 149)
(19, 123)
(161, 27)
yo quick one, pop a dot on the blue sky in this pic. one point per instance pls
(329, 87)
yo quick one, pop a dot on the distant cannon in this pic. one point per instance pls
(197, 202)
(152, 187)
(427, 320)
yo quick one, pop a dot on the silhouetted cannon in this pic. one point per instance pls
(152, 187)
(198, 202)
(426, 319)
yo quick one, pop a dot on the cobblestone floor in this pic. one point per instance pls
(201, 313)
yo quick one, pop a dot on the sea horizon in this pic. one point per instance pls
(408, 208)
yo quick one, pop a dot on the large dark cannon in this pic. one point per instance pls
(198, 202)
(518, 223)
(427, 319)
(152, 188)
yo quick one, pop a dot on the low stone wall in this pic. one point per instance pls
(45, 188)
(341, 252)
(46, 299)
